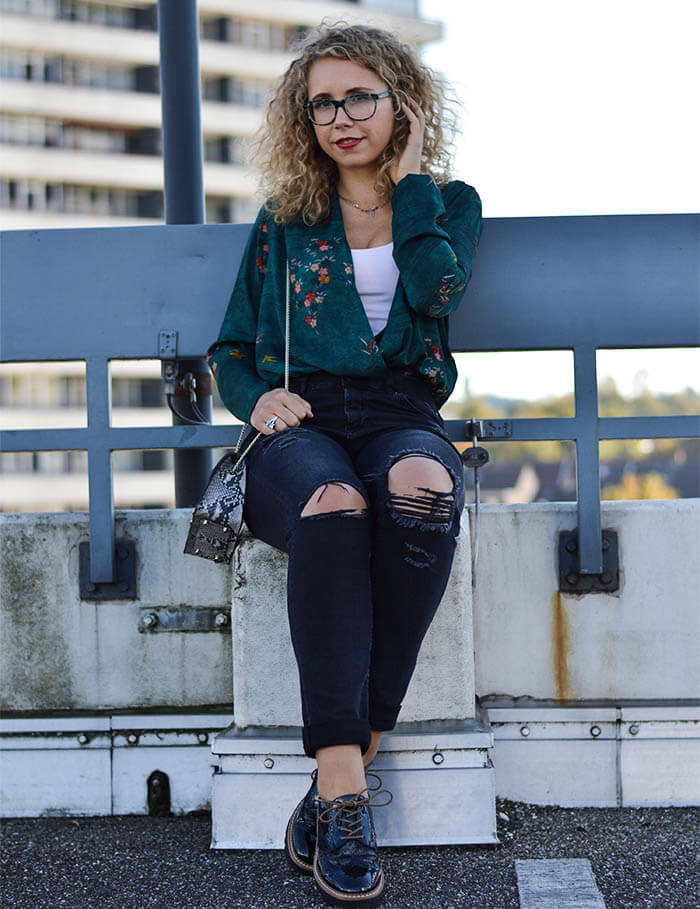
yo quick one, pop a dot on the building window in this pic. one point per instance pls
(66, 198)
(31, 67)
(244, 211)
(127, 392)
(218, 210)
(95, 13)
(218, 29)
(45, 8)
(257, 34)
(115, 16)
(222, 210)
(247, 92)
(399, 7)
(223, 150)
(36, 131)
(13, 64)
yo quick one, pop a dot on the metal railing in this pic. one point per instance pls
(580, 283)
(576, 283)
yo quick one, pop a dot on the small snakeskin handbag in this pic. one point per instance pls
(217, 519)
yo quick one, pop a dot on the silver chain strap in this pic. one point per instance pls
(286, 379)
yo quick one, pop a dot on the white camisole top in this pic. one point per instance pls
(376, 277)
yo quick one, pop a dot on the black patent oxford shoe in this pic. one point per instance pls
(346, 864)
(300, 839)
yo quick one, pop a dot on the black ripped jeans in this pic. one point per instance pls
(362, 588)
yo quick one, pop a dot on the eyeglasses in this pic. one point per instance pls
(360, 106)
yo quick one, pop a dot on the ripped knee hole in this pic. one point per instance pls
(334, 497)
(432, 507)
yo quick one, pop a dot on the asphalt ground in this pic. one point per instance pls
(640, 858)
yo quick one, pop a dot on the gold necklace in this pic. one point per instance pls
(367, 211)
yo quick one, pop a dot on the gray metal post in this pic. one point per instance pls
(100, 471)
(587, 461)
(178, 29)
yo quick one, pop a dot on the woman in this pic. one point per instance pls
(354, 475)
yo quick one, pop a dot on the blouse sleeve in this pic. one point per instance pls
(231, 357)
(435, 241)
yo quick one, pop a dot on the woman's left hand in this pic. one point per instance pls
(410, 160)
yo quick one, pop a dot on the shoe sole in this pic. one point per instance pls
(289, 847)
(342, 897)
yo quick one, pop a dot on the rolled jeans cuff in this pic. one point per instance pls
(383, 719)
(338, 732)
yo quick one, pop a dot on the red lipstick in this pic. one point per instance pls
(347, 142)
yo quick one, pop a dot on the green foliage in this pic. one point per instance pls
(650, 485)
(610, 404)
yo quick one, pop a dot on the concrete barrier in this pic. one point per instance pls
(63, 653)
(641, 642)
(608, 681)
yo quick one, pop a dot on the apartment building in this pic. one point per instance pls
(80, 146)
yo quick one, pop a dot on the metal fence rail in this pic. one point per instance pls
(577, 283)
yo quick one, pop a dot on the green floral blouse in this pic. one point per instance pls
(436, 232)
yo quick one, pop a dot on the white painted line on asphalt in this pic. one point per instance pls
(557, 884)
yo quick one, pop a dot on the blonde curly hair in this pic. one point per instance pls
(302, 183)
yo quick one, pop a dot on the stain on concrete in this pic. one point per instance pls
(561, 641)
(35, 662)
(61, 653)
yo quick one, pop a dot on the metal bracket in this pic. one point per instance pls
(123, 587)
(571, 580)
(167, 352)
(167, 344)
(474, 429)
(184, 618)
(491, 430)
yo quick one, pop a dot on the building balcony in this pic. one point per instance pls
(117, 109)
(140, 172)
(17, 219)
(310, 13)
(139, 48)
(132, 48)
(307, 13)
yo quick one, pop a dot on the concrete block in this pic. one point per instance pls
(265, 677)
(90, 655)
(41, 781)
(634, 755)
(660, 755)
(641, 642)
(540, 772)
(189, 771)
(177, 745)
(660, 773)
(557, 884)
(535, 749)
(442, 784)
(96, 765)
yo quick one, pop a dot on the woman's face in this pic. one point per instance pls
(352, 144)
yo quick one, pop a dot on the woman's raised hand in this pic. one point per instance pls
(410, 160)
(289, 408)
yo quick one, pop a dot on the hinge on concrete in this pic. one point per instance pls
(184, 618)
(123, 588)
(571, 580)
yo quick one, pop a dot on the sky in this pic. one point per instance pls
(574, 108)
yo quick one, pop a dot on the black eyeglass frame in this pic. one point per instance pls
(338, 104)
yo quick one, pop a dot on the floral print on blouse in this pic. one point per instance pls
(436, 234)
(312, 270)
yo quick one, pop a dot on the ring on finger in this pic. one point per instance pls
(271, 422)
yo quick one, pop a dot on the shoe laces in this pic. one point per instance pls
(349, 813)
